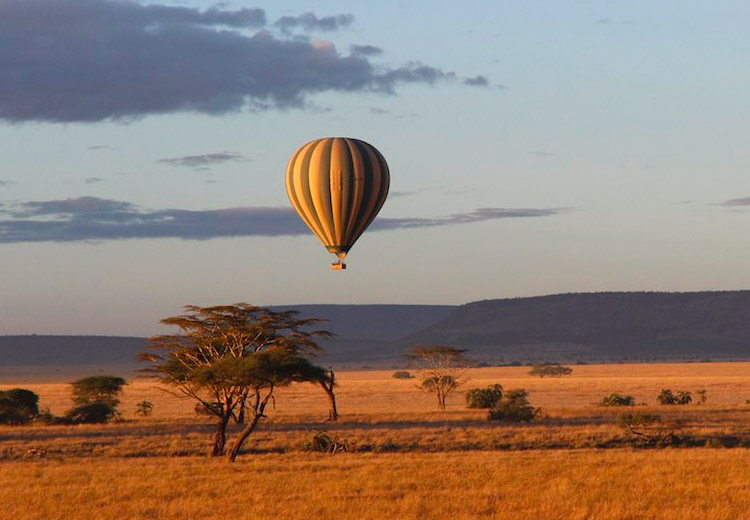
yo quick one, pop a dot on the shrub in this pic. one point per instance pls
(18, 406)
(484, 397)
(550, 370)
(667, 397)
(514, 406)
(144, 408)
(649, 428)
(94, 413)
(616, 399)
(402, 374)
(322, 442)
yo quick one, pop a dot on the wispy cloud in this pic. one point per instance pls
(96, 219)
(99, 147)
(311, 23)
(213, 61)
(408, 193)
(477, 81)
(5, 184)
(93, 180)
(540, 153)
(365, 50)
(198, 161)
(731, 203)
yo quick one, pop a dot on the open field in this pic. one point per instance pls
(412, 461)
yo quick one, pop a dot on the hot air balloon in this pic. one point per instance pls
(337, 185)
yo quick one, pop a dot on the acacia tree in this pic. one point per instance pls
(440, 369)
(97, 389)
(233, 357)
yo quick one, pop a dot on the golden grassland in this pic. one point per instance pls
(412, 461)
(557, 484)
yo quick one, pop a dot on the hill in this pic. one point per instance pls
(588, 327)
(601, 327)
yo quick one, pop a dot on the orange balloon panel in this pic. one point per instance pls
(337, 185)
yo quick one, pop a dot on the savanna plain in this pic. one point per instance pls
(407, 459)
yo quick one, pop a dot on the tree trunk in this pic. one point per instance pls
(258, 407)
(441, 400)
(333, 413)
(240, 417)
(220, 437)
(235, 449)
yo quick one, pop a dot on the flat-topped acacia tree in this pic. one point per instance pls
(440, 368)
(231, 357)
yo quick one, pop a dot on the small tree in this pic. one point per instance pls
(550, 370)
(18, 406)
(616, 399)
(702, 395)
(440, 369)
(484, 397)
(514, 406)
(144, 408)
(97, 389)
(402, 374)
(234, 356)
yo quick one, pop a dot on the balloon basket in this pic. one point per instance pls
(338, 266)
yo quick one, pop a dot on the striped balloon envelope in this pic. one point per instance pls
(337, 185)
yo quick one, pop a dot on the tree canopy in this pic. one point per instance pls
(440, 368)
(231, 358)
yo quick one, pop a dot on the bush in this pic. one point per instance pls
(402, 374)
(94, 413)
(514, 406)
(322, 442)
(667, 397)
(550, 370)
(18, 406)
(144, 408)
(484, 397)
(616, 399)
(650, 428)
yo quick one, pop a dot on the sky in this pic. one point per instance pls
(535, 147)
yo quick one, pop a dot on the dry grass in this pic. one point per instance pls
(549, 485)
(452, 464)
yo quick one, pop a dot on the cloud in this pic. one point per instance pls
(540, 153)
(310, 23)
(478, 215)
(731, 203)
(5, 184)
(398, 194)
(365, 50)
(196, 161)
(100, 60)
(99, 147)
(95, 219)
(477, 81)
(378, 111)
(93, 180)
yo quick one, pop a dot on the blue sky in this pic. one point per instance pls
(535, 147)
